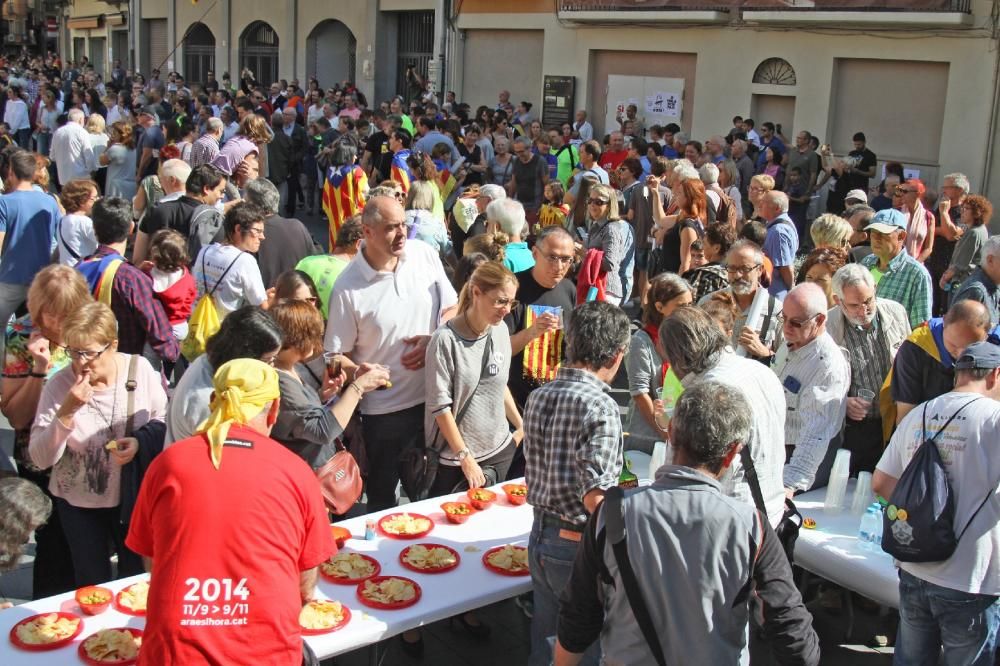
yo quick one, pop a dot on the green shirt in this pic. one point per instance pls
(905, 281)
(324, 271)
(567, 158)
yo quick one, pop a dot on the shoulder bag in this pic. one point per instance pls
(791, 520)
(418, 466)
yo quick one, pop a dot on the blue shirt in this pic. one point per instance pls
(517, 257)
(28, 220)
(431, 139)
(775, 145)
(780, 246)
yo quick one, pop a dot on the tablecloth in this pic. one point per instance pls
(468, 586)
(833, 551)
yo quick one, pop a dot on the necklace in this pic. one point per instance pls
(468, 326)
(114, 406)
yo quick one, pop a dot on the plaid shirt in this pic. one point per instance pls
(140, 316)
(907, 282)
(572, 443)
(204, 150)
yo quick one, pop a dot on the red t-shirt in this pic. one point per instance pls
(612, 159)
(227, 546)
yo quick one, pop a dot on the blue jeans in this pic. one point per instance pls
(551, 560)
(932, 617)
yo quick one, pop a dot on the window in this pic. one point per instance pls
(775, 72)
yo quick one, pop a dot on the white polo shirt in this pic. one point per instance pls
(371, 312)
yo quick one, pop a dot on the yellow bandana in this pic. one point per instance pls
(243, 387)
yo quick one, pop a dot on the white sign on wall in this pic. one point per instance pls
(659, 100)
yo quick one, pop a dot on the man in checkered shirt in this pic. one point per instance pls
(573, 453)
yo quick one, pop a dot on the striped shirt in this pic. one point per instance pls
(815, 378)
(905, 281)
(572, 443)
(871, 359)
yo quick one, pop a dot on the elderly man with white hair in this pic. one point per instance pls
(982, 285)
(872, 329)
(71, 149)
(782, 241)
(954, 190)
(508, 216)
(815, 374)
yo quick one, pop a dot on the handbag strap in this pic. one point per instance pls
(487, 352)
(130, 386)
(751, 473)
(614, 524)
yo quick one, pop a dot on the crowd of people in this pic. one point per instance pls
(175, 336)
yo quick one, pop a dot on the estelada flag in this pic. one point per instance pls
(446, 181)
(543, 355)
(343, 196)
(400, 172)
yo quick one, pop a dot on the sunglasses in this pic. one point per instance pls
(796, 323)
(597, 202)
(902, 191)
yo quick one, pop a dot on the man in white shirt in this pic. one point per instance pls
(71, 149)
(697, 350)
(815, 374)
(383, 309)
(585, 129)
(953, 604)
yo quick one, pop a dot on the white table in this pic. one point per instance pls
(467, 587)
(832, 550)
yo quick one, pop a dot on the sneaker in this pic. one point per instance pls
(526, 604)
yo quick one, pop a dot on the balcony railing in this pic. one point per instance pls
(950, 6)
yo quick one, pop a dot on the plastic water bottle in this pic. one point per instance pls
(876, 510)
(868, 531)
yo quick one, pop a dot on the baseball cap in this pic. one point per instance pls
(983, 355)
(886, 221)
(151, 110)
(857, 195)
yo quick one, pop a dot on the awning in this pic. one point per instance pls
(116, 19)
(84, 22)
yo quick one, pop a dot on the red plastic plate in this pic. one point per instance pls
(353, 581)
(437, 570)
(87, 659)
(496, 569)
(330, 630)
(32, 647)
(394, 605)
(393, 535)
(125, 609)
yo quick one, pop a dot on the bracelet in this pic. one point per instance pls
(40, 375)
(361, 391)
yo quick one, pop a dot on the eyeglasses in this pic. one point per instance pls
(85, 355)
(597, 202)
(797, 323)
(505, 302)
(259, 233)
(558, 259)
(902, 191)
(741, 270)
(866, 304)
(269, 359)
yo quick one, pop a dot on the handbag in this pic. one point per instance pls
(340, 480)
(791, 520)
(418, 466)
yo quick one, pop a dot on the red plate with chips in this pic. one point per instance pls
(388, 525)
(429, 570)
(500, 570)
(329, 630)
(122, 608)
(87, 659)
(340, 580)
(38, 647)
(388, 605)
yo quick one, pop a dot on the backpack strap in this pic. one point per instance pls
(614, 525)
(221, 277)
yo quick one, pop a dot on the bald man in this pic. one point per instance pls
(815, 374)
(924, 365)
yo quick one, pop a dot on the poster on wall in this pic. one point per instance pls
(557, 100)
(658, 100)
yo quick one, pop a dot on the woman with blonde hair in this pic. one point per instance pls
(89, 426)
(760, 185)
(420, 218)
(33, 354)
(613, 236)
(833, 231)
(492, 245)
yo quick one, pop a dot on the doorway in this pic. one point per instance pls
(778, 109)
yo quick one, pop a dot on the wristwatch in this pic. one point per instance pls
(463, 454)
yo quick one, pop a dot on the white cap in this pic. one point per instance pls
(857, 195)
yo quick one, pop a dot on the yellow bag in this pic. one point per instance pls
(205, 321)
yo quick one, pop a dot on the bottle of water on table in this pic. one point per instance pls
(869, 530)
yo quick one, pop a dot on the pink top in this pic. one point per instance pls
(917, 230)
(82, 471)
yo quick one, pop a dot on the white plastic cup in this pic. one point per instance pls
(862, 493)
(837, 487)
(658, 458)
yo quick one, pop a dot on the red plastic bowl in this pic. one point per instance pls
(92, 608)
(516, 499)
(481, 504)
(457, 518)
(340, 535)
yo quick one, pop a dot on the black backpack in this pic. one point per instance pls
(919, 523)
